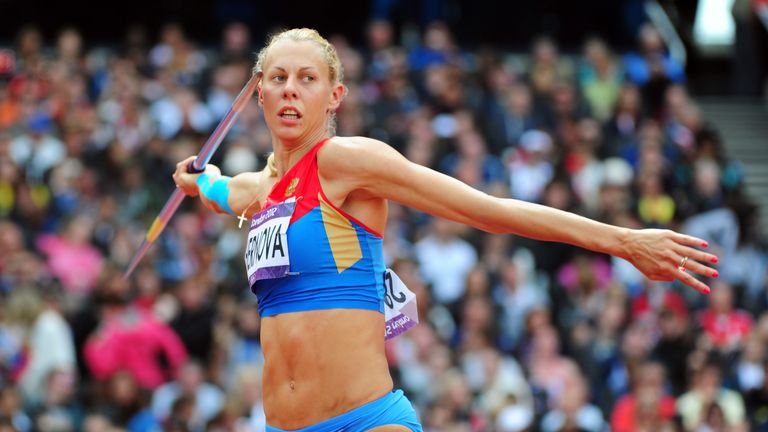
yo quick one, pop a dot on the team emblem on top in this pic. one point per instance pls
(291, 187)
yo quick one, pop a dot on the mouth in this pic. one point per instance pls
(289, 113)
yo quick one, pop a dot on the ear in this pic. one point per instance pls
(337, 94)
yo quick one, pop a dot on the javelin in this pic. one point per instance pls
(197, 166)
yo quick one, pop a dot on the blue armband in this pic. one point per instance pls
(218, 191)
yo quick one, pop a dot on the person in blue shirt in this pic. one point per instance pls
(652, 60)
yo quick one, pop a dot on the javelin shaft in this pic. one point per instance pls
(197, 166)
(156, 228)
(210, 146)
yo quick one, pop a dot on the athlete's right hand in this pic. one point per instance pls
(186, 181)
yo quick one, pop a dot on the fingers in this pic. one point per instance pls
(183, 164)
(696, 267)
(692, 265)
(696, 255)
(686, 274)
(692, 282)
(181, 178)
(698, 261)
(689, 240)
(181, 167)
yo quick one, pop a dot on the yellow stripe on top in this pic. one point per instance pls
(342, 236)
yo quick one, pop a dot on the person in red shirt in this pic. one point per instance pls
(726, 327)
(648, 407)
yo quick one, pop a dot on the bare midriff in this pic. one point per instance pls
(320, 364)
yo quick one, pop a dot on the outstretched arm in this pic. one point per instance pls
(379, 170)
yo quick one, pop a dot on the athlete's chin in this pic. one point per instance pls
(289, 133)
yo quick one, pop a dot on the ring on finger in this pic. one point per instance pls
(683, 261)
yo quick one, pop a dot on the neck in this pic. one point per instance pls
(289, 152)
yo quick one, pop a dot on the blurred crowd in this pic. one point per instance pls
(515, 334)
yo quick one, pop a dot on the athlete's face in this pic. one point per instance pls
(296, 91)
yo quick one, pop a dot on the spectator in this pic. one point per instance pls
(249, 398)
(189, 398)
(438, 48)
(725, 327)
(648, 407)
(472, 164)
(546, 70)
(125, 404)
(583, 165)
(676, 340)
(600, 79)
(11, 409)
(39, 149)
(181, 112)
(652, 68)
(47, 340)
(228, 78)
(502, 386)
(194, 320)
(176, 55)
(132, 340)
(750, 371)
(60, 401)
(603, 351)
(708, 402)
(621, 129)
(655, 207)
(71, 256)
(585, 279)
(236, 43)
(241, 346)
(516, 295)
(514, 116)
(547, 368)
(573, 410)
(434, 253)
(530, 166)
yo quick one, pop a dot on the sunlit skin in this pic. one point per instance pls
(320, 364)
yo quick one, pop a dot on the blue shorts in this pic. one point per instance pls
(391, 409)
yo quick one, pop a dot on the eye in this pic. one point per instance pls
(278, 78)
(308, 78)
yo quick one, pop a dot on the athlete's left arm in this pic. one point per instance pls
(379, 170)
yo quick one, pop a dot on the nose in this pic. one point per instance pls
(289, 89)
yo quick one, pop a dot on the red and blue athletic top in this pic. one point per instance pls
(335, 260)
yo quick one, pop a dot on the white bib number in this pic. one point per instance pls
(266, 252)
(400, 311)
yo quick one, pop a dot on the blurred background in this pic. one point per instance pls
(636, 113)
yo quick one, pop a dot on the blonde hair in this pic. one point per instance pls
(331, 57)
(272, 165)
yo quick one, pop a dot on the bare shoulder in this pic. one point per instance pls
(353, 147)
(347, 155)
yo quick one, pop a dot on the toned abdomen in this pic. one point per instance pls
(320, 364)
